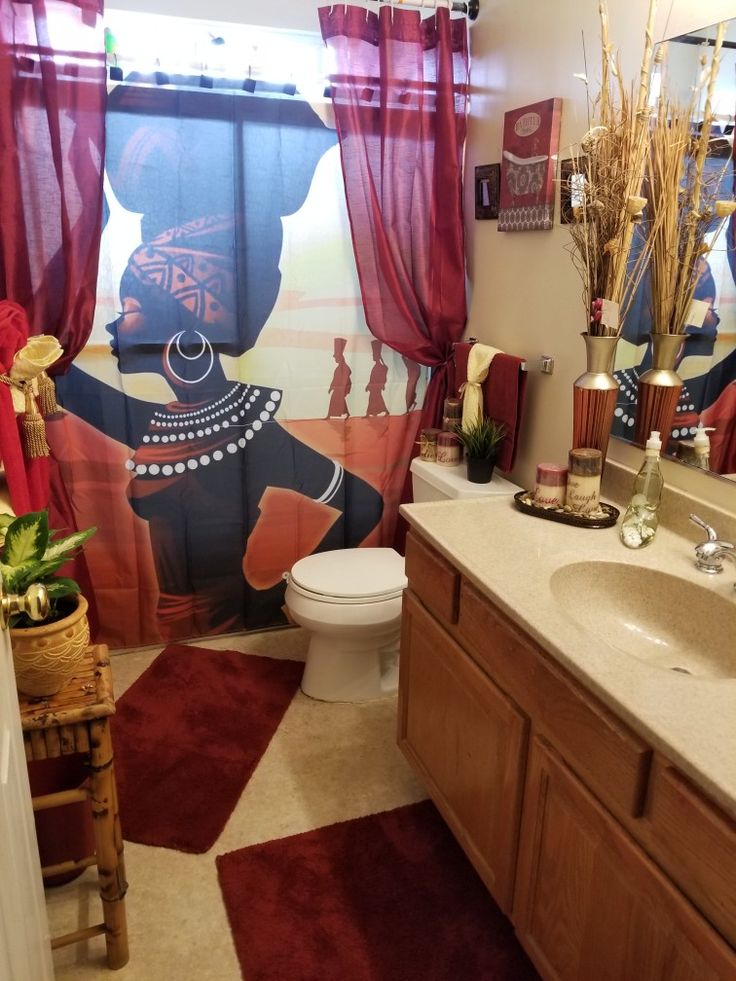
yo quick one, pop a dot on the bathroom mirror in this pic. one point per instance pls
(707, 359)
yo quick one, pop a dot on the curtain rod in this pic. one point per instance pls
(468, 7)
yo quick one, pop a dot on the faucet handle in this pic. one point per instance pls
(711, 532)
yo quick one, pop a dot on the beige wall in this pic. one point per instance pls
(525, 292)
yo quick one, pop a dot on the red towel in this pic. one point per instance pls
(503, 397)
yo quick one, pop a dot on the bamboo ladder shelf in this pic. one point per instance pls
(76, 720)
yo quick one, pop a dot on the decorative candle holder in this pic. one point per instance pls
(551, 484)
(428, 444)
(452, 415)
(584, 480)
(449, 450)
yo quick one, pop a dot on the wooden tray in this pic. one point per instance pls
(606, 517)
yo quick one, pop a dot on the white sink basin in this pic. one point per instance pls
(668, 622)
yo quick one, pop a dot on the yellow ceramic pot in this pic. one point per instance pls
(46, 657)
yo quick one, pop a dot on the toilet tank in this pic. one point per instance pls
(432, 482)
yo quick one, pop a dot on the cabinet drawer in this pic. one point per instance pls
(695, 842)
(434, 580)
(611, 759)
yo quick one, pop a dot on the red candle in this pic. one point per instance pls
(549, 491)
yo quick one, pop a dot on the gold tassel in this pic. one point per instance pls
(33, 427)
(47, 395)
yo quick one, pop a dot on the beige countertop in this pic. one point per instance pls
(511, 557)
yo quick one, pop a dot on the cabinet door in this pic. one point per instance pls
(590, 904)
(467, 741)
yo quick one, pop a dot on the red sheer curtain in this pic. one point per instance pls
(52, 134)
(399, 91)
(52, 131)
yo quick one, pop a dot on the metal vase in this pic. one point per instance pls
(594, 395)
(659, 390)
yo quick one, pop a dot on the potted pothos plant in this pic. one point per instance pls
(47, 652)
(481, 441)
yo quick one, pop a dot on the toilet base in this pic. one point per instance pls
(345, 671)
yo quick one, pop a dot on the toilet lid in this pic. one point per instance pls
(355, 573)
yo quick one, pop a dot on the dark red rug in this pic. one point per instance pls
(389, 897)
(188, 735)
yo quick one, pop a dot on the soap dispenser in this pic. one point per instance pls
(641, 518)
(701, 445)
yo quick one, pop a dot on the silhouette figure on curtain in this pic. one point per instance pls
(377, 383)
(212, 175)
(413, 370)
(340, 385)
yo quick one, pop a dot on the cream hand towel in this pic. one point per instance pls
(479, 361)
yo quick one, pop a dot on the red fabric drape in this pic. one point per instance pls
(399, 90)
(52, 131)
(13, 336)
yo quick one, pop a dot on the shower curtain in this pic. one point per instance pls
(400, 94)
(227, 416)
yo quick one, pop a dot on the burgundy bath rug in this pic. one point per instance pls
(188, 735)
(389, 897)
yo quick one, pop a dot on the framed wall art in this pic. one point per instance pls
(531, 137)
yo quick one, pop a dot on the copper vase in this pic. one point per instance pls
(659, 390)
(594, 395)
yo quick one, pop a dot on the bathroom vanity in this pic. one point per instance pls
(594, 792)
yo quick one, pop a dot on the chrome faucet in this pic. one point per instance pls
(709, 555)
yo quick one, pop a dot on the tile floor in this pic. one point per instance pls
(327, 762)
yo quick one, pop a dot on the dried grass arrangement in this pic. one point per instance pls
(607, 204)
(682, 205)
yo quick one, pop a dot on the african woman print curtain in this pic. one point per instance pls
(231, 412)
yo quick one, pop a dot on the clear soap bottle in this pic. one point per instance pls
(641, 518)
(701, 443)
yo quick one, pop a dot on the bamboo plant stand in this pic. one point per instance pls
(75, 720)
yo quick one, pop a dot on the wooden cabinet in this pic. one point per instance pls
(610, 864)
(694, 842)
(468, 742)
(612, 760)
(589, 903)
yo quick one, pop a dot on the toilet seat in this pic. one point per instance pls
(354, 576)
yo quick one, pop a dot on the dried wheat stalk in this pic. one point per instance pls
(681, 205)
(612, 158)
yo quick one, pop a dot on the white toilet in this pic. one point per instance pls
(431, 482)
(350, 601)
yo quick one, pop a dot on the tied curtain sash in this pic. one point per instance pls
(399, 91)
